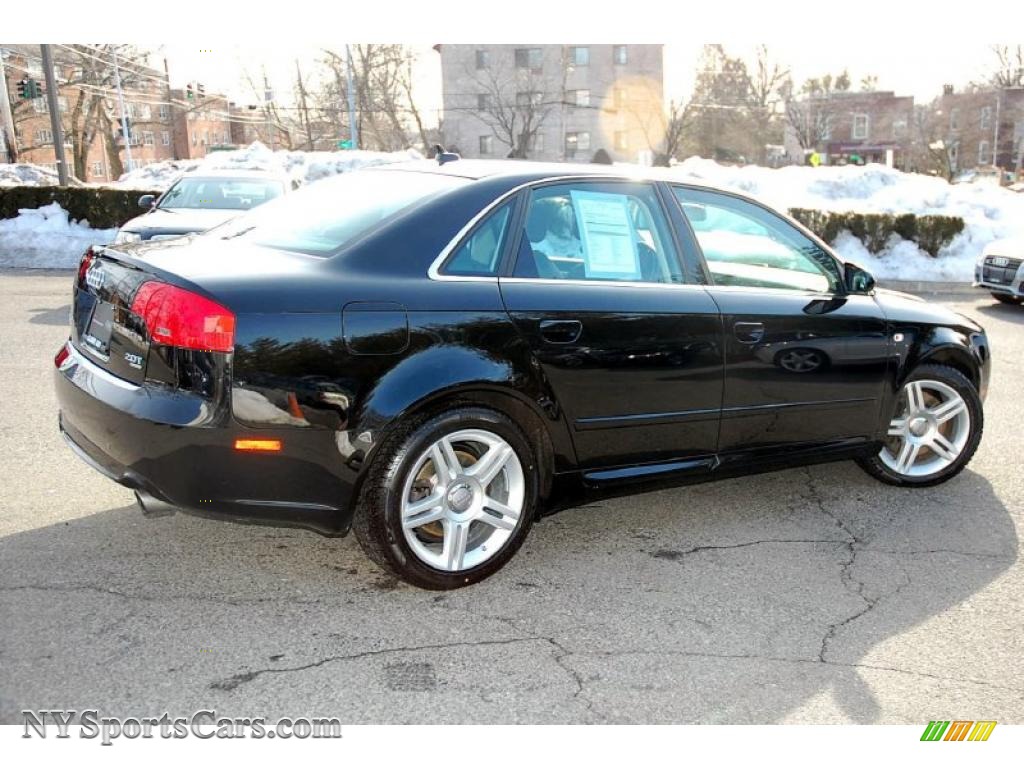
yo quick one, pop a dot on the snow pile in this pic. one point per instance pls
(45, 237)
(989, 212)
(302, 167)
(28, 175)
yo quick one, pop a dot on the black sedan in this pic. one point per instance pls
(435, 354)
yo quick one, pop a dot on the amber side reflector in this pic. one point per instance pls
(257, 445)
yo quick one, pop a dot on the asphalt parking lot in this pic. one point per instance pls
(811, 595)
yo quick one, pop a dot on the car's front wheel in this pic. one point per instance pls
(448, 501)
(934, 431)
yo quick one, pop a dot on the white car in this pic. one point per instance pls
(999, 270)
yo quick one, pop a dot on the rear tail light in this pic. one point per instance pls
(180, 318)
(61, 355)
(84, 264)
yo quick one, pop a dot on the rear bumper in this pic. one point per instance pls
(179, 449)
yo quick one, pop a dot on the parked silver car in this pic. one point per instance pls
(200, 201)
(999, 270)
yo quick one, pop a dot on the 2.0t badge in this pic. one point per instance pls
(135, 361)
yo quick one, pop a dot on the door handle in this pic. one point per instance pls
(560, 331)
(749, 333)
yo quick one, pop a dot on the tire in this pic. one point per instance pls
(404, 474)
(934, 463)
(1005, 298)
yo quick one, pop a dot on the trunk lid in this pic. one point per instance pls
(103, 326)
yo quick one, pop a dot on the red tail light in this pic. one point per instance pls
(184, 319)
(84, 264)
(62, 355)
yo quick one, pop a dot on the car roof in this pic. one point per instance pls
(525, 171)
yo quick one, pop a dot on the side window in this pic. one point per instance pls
(597, 231)
(480, 253)
(747, 245)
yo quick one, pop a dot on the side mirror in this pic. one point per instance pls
(146, 201)
(857, 280)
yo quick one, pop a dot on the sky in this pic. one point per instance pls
(917, 65)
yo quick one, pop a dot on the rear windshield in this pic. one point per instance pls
(328, 214)
(221, 193)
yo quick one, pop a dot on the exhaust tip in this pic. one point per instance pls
(152, 506)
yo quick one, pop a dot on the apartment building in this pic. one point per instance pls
(984, 128)
(201, 122)
(553, 102)
(90, 113)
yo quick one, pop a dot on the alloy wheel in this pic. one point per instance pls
(462, 500)
(930, 431)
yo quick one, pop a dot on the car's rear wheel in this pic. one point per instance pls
(1006, 298)
(934, 431)
(449, 500)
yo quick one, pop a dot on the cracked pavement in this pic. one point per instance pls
(812, 595)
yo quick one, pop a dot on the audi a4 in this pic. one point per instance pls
(434, 354)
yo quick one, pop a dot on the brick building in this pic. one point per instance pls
(90, 113)
(201, 122)
(983, 128)
(858, 127)
(577, 99)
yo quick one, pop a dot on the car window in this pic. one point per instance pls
(597, 231)
(480, 253)
(221, 193)
(326, 215)
(747, 245)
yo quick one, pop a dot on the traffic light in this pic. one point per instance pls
(201, 90)
(188, 92)
(23, 89)
(37, 89)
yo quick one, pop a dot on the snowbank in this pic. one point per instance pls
(989, 212)
(44, 237)
(303, 167)
(28, 175)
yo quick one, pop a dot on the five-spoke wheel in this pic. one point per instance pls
(449, 499)
(934, 431)
(462, 499)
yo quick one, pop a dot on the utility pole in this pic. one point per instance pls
(55, 125)
(305, 109)
(268, 99)
(124, 115)
(351, 99)
(11, 142)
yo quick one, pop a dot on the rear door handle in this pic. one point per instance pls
(749, 333)
(560, 331)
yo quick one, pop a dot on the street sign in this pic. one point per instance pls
(345, 144)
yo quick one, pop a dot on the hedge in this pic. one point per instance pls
(930, 233)
(102, 207)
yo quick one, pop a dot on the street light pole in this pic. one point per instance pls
(354, 130)
(56, 128)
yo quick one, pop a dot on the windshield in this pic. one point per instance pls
(328, 214)
(221, 193)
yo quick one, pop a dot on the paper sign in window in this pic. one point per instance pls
(606, 229)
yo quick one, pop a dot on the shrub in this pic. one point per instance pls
(102, 207)
(930, 233)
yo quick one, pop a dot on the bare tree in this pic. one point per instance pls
(1010, 71)
(514, 107)
(809, 113)
(765, 83)
(387, 116)
(91, 110)
(934, 151)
